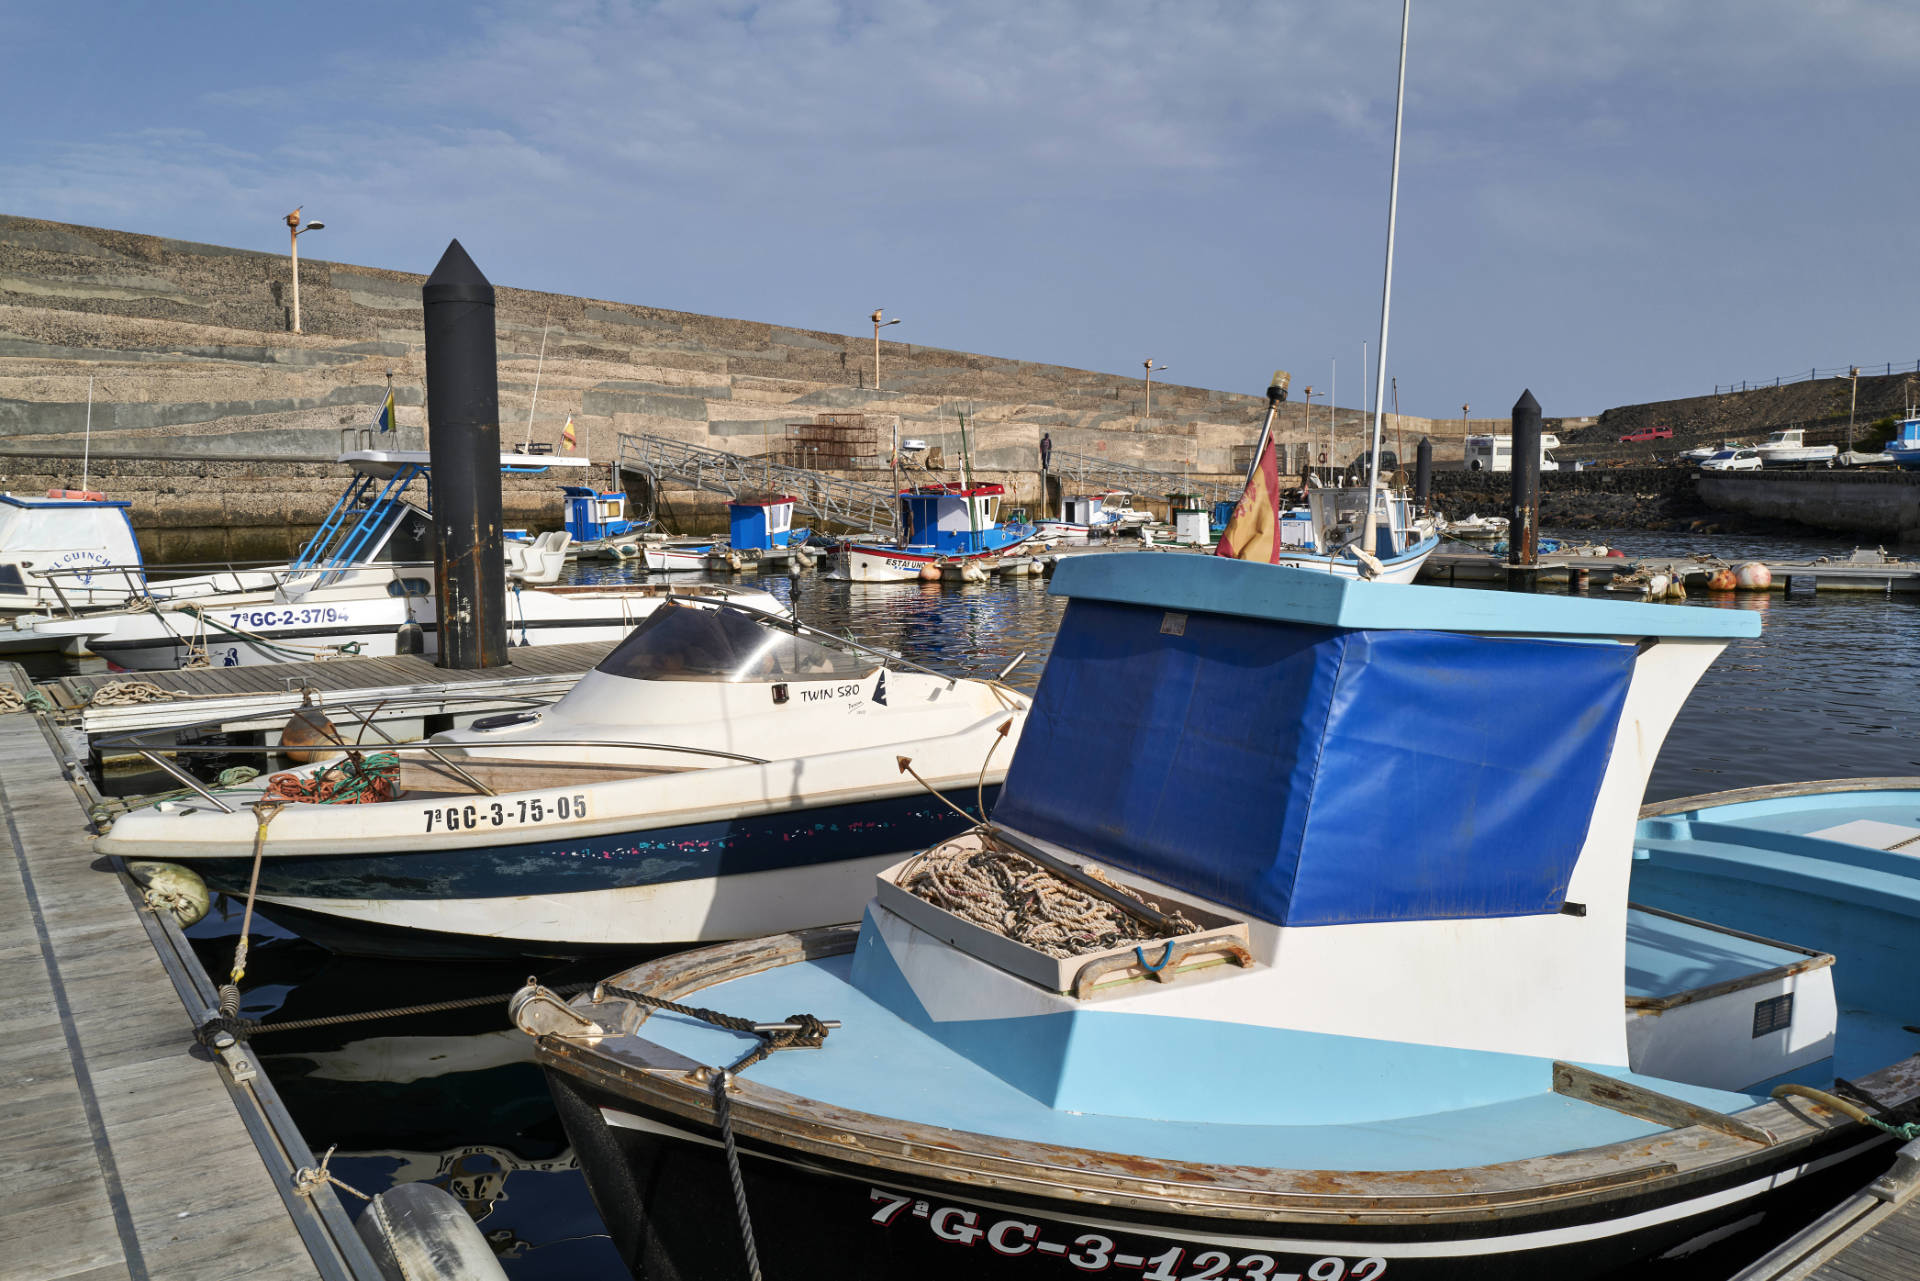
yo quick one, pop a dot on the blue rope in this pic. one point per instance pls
(1140, 954)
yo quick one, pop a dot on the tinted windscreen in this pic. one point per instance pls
(701, 643)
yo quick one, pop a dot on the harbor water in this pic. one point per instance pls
(454, 1098)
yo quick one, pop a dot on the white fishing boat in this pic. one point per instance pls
(722, 773)
(1080, 520)
(1391, 547)
(364, 585)
(1789, 448)
(681, 556)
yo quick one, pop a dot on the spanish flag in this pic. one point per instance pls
(386, 420)
(1253, 532)
(566, 434)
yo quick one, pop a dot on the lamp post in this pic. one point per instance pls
(294, 232)
(1147, 409)
(878, 325)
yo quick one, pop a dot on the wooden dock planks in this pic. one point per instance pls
(1889, 1251)
(121, 1151)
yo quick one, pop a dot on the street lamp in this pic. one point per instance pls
(294, 232)
(878, 325)
(1147, 410)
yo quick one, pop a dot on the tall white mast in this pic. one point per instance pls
(1386, 288)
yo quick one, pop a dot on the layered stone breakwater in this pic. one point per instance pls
(1880, 505)
(191, 362)
(1619, 498)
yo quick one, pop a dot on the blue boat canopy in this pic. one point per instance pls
(1300, 747)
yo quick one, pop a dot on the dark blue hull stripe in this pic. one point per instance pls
(694, 851)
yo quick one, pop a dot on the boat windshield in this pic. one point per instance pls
(721, 643)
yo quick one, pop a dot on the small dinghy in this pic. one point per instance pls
(724, 772)
(1353, 961)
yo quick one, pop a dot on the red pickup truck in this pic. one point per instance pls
(1647, 433)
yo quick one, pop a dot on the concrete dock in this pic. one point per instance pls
(125, 1150)
(1866, 572)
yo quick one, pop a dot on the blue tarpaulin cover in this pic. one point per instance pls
(1311, 775)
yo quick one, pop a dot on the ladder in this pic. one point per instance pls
(848, 505)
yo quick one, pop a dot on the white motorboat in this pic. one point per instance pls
(1080, 519)
(723, 773)
(1789, 448)
(1477, 529)
(677, 557)
(363, 586)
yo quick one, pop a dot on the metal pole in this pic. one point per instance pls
(1523, 512)
(1333, 399)
(1423, 474)
(536, 375)
(1853, 403)
(1386, 288)
(463, 391)
(293, 250)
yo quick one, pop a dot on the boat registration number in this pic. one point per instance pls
(287, 617)
(1095, 1252)
(507, 811)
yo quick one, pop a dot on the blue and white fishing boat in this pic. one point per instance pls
(950, 523)
(1904, 448)
(1338, 538)
(1353, 960)
(598, 521)
(722, 773)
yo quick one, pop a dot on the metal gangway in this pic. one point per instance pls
(848, 505)
(1091, 475)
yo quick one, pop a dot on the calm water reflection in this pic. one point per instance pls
(1823, 692)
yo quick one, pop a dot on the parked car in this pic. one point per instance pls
(1733, 460)
(1647, 433)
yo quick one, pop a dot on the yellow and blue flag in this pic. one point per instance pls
(386, 420)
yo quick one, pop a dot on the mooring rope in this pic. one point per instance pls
(1013, 896)
(799, 1031)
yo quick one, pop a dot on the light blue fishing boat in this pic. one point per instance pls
(1400, 985)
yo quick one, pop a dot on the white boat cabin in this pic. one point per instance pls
(64, 540)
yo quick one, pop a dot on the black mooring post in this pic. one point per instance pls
(463, 404)
(1523, 513)
(1423, 474)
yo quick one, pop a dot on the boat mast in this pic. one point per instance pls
(86, 450)
(544, 325)
(1386, 288)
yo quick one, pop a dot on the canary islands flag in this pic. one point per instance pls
(386, 422)
(566, 434)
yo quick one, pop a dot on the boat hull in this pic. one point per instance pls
(1401, 569)
(660, 1183)
(858, 564)
(664, 885)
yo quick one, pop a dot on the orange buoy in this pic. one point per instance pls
(78, 495)
(1721, 580)
(309, 735)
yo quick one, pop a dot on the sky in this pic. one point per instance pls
(1607, 202)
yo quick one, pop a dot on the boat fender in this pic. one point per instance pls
(930, 574)
(309, 736)
(973, 572)
(419, 1232)
(1657, 585)
(1753, 577)
(410, 638)
(1676, 590)
(169, 887)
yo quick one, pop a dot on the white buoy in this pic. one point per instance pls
(1753, 577)
(419, 1232)
(1657, 586)
(172, 888)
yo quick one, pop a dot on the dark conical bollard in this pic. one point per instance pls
(463, 407)
(1523, 512)
(1423, 474)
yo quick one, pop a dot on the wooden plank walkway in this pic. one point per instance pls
(122, 1150)
(1872, 1236)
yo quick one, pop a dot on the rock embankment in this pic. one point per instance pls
(1623, 498)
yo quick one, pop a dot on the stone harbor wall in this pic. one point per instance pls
(1884, 506)
(210, 414)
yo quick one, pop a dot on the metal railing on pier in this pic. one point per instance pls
(1092, 474)
(848, 505)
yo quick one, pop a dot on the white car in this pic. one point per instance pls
(1733, 460)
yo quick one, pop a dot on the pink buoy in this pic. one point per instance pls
(1753, 577)
(930, 574)
(1615, 551)
(1721, 580)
